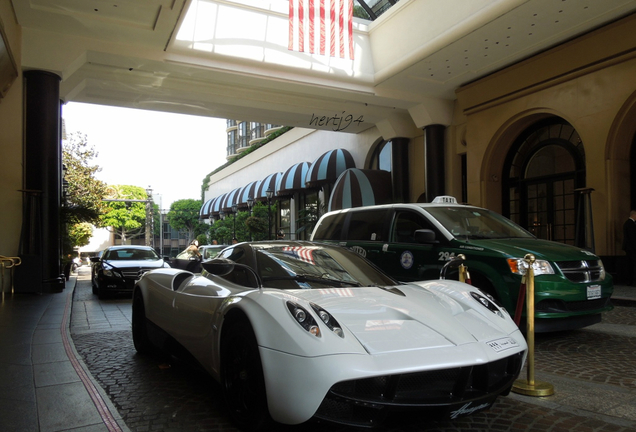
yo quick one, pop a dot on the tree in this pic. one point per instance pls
(184, 216)
(248, 227)
(84, 193)
(80, 233)
(126, 219)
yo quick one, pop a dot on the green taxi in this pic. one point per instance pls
(412, 242)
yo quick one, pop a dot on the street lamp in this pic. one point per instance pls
(222, 216)
(250, 204)
(234, 212)
(148, 215)
(270, 194)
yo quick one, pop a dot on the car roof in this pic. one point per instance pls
(129, 247)
(404, 206)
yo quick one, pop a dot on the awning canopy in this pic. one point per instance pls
(328, 167)
(248, 191)
(358, 188)
(204, 213)
(268, 182)
(229, 200)
(293, 179)
(215, 207)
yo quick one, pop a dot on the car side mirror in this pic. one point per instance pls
(219, 266)
(425, 236)
(94, 259)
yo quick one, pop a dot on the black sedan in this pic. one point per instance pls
(117, 269)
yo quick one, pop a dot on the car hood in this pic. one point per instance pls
(120, 264)
(412, 318)
(541, 249)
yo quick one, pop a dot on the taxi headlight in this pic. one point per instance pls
(520, 266)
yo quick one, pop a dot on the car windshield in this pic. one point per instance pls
(475, 223)
(211, 252)
(315, 266)
(131, 255)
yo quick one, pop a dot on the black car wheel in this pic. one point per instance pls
(139, 325)
(242, 377)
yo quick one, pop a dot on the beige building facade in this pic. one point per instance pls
(533, 128)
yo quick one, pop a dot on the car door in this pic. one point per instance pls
(366, 231)
(402, 256)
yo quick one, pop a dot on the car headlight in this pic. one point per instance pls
(328, 319)
(304, 318)
(520, 266)
(601, 270)
(109, 272)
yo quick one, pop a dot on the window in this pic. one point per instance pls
(544, 168)
(405, 225)
(367, 225)
(330, 228)
(381, 159)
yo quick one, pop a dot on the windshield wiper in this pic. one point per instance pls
(310, 278)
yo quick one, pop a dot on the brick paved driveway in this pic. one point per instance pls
(593, 371)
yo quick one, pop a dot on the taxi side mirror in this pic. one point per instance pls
(425, 236)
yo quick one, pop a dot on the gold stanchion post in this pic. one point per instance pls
(463, 270)
(531, 387)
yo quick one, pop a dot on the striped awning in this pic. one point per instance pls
(229, 200)
(328, 167)
(293, 179)
(358, 188)
(204, 213)
(215, 207)
(249, 190)
(268, 182)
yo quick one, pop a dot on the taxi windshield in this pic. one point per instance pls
(476, 224)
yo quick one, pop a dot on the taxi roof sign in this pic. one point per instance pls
(445, 199)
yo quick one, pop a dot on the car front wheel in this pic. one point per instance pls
(242, 377)
(139, 325)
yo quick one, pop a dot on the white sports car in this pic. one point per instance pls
(295, 330)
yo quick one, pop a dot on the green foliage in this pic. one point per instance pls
(246, 227)
(202, 239)
(184, 216)
(84, 192)
(80, 233)
(127, 219)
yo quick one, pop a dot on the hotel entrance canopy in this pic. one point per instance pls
(231, 58)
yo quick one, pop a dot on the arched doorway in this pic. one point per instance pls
(543, 170)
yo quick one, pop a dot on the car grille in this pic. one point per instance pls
(554, 305)
(582, 271)
(134, 273)
(364, 402)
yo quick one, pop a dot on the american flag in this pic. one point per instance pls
(301, 253)
(322, 27)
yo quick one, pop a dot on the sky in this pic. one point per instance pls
(171, 153)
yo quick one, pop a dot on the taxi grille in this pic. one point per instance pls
(582, 271)
(363, 401)
(555, 305)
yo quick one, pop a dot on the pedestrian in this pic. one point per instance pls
(629, 246)
(191, 252)
(280, 235)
